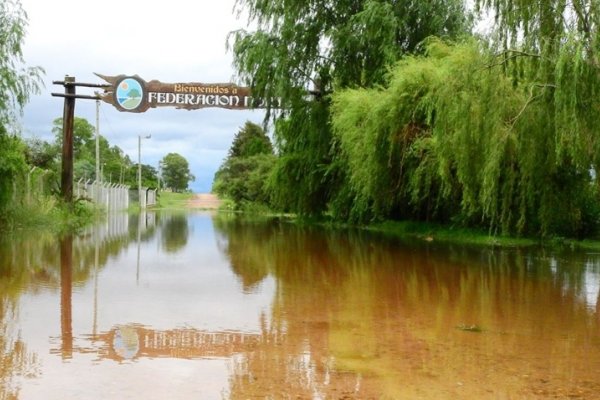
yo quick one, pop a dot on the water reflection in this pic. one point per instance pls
(66, 289)
(152, 308)
(36, 263)
(131, 342)
(373, 318)
(175, 232)
(15, 358)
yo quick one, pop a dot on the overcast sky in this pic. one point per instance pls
(171, 41)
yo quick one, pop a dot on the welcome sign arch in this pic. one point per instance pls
(131, 93)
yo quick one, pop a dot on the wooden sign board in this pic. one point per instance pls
(133, 94)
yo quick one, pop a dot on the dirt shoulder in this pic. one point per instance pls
(205, 201)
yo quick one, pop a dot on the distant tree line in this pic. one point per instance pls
(243, 176)
(115, 166)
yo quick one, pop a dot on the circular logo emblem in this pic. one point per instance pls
(129, 93)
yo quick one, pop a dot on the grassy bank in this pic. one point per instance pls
(449, 234)
(49, 214)
(441, 233)
(402, 229)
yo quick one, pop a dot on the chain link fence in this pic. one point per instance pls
(36, 184)
(111, 196)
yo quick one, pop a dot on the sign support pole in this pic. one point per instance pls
(66, 178)
(67, 145)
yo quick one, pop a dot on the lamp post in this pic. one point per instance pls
(160, 165)
(142, 204)
(98, 179)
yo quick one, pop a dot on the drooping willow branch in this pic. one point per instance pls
(515, 54)
(530, 100)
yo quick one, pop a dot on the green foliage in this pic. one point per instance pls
(550, 50)
(149, 176)
(174, 233)
(244, 179)
(304, 177)
(48, 214)
(42, 154)
(322, 45)
(12, 168)
(351, 41)
(84, 141)
(243, 176)
(174, 201)
(453, 139)
(17, 82)
(115, 166)
(250, 141)
(176, 172)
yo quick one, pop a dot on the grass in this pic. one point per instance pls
(48, 214)
(449, 234)
(442, 233)
(173, 201)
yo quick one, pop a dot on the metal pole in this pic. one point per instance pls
(98, 178)
(140, 170)
(67, 146)
(158, 175)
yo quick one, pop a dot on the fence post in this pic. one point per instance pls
(29, 185)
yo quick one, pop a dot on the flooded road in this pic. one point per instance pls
(199, 306)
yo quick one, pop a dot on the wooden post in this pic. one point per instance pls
(67, 146)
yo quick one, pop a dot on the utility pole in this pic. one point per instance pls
(66, 178)
(98, 177)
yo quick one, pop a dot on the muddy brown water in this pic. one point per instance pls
(204, 306)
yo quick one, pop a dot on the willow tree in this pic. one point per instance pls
(437, 142)
(316, 46)
(17, 82)
(454, 137)
(550, 49)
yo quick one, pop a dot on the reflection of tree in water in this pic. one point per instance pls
(294, 358)
(15, 360)
(175, 231)
(235, 243)
(357, 316)
(31, 263)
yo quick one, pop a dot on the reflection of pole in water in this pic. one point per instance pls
(96, 257)
(66, 289)
(139, 236)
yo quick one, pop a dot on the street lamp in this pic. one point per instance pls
(160, 165)
(98, 179)
(142, 204)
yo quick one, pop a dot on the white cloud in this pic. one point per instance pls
(174, 41)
